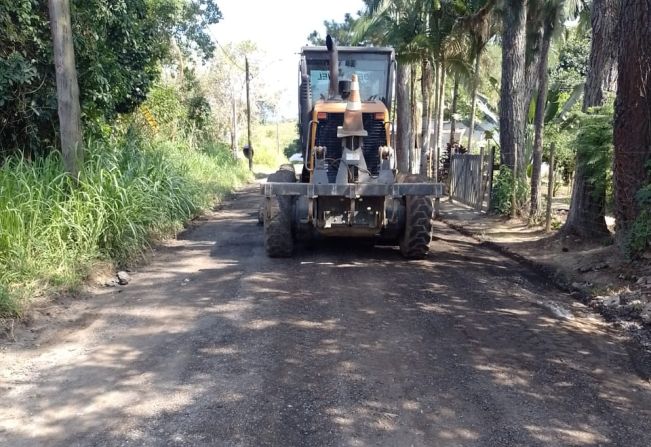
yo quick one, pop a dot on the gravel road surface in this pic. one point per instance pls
(214, 344)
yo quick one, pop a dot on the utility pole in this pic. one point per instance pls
(72, 144)
(248, 150)
(248, 101)
(277, 136)
(550, 189)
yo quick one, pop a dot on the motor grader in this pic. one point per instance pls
(349, 185)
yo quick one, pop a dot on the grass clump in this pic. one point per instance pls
(130, 193)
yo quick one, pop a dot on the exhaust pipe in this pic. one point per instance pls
(333, 89)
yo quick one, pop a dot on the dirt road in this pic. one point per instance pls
(214, 344)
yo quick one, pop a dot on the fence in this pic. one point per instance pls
(471, 179)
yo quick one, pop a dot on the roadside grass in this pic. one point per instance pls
(269, 143)
(129, 195)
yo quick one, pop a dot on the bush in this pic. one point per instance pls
(131, 193)
(503, 191)
(594, 146)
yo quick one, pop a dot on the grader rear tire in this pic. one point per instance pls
(278, 238)
(278, 235)
(417, 235)
(414, 242)
(286, 174)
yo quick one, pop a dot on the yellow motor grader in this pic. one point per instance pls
(349, 185)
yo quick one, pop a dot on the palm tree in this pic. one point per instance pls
(397, 23)
(553, 14)
(481, 26)
(448, 44)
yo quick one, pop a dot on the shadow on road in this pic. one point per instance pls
(341, 345)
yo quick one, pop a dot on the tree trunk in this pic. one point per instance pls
(534, 49)
(414, 156)
(588, 205)
(436, 150)
(513, 99)
(453, 111)
(632, 127)
(602, 71)
(426, 92)
(539, 121)
(435, 115)
(403, 131)
(72, 145)
(473, 109)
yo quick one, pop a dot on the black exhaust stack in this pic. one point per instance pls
(333, 89)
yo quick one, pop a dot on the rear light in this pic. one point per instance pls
(379, 116)
(320, 116)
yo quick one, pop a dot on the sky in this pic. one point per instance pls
(279, 29)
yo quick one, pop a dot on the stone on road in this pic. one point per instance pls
(215, 344)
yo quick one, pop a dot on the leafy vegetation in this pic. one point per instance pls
(154, 157)
(503, 191)
(132, 192)
(594, 146)
(119, 48)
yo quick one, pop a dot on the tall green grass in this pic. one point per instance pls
(269, 142)
(52, 231)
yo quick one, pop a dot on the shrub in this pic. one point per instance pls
(503, 191)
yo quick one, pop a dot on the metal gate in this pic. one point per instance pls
(471, 179)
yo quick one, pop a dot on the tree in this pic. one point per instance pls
(632, 127)
(513, 98)
(404, 129)
(588, 204)
(480, 26)
(553, 14)
(447, 46)
(119, 51)
(341, 32)
(393, 23)
(67, 87)
(426, 84)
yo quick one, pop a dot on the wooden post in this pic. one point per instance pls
(550, 189)
(451, 179)
(490, 178)
(482, 192)
(72, 144)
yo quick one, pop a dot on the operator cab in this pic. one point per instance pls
(323, 93)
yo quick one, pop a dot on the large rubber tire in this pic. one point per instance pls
(286, 174)
(419, 212)
(288, 167)
(278, 235)
(415, 240)
(278, 238)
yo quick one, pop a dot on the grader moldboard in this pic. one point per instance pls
(349, 186)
